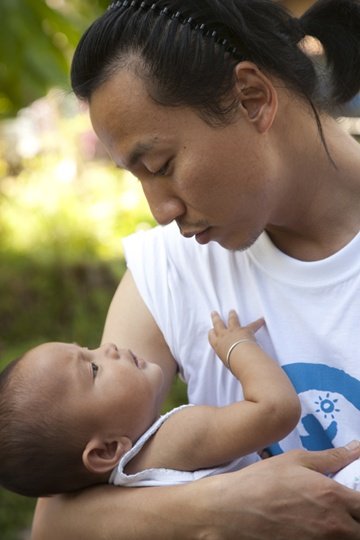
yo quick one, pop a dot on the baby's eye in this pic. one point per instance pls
(95, 369)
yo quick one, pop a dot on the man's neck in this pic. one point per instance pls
(320, 214)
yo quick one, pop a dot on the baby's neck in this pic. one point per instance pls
(142, 460)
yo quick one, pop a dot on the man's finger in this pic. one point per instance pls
(328, 461)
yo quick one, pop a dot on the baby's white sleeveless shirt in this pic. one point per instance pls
(167, 477)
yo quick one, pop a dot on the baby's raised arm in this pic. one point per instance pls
(271, 408)
(204, 436)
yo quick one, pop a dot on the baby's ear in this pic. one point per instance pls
(101, 456)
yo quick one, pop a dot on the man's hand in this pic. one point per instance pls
(287, 499)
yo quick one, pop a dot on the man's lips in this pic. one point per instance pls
(197, 233)
(204, 236)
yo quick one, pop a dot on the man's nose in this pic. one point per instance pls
(164, 205)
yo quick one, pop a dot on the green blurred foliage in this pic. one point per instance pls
(15, 515)
(37, 39)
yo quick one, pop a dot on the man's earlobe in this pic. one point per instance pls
(256, 95)
(101, 456)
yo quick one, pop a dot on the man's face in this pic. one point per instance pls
(217, 183)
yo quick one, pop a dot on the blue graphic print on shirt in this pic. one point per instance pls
(329, 384)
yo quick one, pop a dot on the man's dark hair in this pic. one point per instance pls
(188, 49)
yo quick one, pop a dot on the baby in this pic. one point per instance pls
(71, 417)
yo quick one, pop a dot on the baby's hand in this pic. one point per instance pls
(221, 338)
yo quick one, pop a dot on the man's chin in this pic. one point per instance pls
(236, 244)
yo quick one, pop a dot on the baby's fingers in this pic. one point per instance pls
(254, 326)
(233, 319)
(212, 337)
(217, 321)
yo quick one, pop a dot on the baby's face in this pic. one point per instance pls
(106, 389)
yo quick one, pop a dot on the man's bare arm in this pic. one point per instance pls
(130, 324)
(279, 498)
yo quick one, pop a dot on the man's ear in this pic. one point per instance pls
(101, 456)
(256, 95)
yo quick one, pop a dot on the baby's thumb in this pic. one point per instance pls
(255, 325)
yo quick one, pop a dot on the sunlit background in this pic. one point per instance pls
(63, 206)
